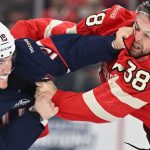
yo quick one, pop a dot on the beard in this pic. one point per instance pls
(137, 55)
(136, 51)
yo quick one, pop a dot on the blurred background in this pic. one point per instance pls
(72, 10)
(67, 135)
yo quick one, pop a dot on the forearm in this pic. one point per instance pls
(72, 107)
(79, 51)
(104, 103)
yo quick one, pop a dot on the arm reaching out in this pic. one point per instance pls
(105, 103)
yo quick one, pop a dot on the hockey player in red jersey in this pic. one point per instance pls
(126, 90)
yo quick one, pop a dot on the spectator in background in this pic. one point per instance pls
(109, 3)
(90, 7)
(17, 11)
(60, 10)
(71, 10)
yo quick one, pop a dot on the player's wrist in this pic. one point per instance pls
(38, 116)
(113, 45)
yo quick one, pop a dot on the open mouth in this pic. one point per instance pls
(4, 77)
(136, 46)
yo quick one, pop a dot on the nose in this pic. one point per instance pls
(6, 68)
(138, 36)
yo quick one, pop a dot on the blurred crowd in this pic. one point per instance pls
(72, 10)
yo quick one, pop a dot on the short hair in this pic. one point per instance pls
(144, 8)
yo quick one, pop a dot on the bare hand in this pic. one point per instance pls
(48, 87)
(122, 33)
(44, 106)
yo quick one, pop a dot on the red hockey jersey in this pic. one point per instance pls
(132, 83)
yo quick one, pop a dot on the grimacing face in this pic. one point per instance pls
(141, 44)
(5, 70)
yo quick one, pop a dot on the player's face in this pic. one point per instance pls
(141, 44)
(5, 70)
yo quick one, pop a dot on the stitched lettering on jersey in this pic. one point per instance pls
(21, 103)
(19, 109)
(115, 12)
(29, 45)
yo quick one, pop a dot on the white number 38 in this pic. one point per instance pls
(140, 80)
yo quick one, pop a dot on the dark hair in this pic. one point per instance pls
(144, 7)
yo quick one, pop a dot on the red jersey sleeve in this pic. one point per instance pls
(32, 28)
(39, 28)
(106, 22)
(105, 103)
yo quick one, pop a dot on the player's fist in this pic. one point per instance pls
(48, 87)
(122, 33)
(44, 106)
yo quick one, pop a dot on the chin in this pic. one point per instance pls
(135, 55)
(3, 84)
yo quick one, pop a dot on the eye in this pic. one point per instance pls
(147, 35)
(1, 63)
(136, 27)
